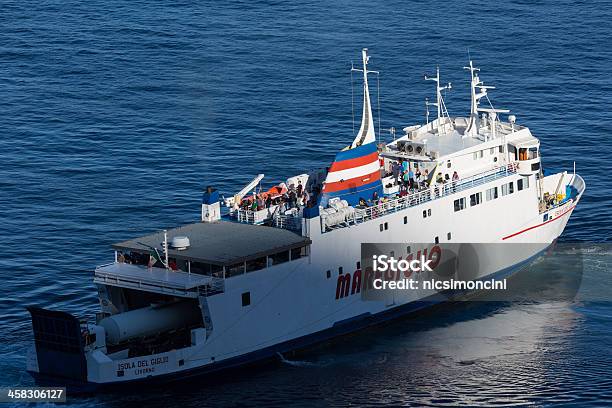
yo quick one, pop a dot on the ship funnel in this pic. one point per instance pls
(366, 131)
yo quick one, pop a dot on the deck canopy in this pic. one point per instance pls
(220, 243)
(524, 141)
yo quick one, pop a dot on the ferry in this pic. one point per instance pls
(271, 270)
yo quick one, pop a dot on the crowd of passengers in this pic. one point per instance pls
(411, 179)
(407, 176)
(295, 197)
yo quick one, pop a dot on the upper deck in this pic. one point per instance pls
(219, 243)
(216, 251)
(433, 143)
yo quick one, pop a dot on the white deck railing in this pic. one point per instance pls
(157, 280)
(285, 221)
(363, 214)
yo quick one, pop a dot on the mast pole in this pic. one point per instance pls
(166, 247)
(438, 94)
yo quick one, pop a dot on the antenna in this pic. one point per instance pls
(472, 128)
(478, 91)
(439, 104)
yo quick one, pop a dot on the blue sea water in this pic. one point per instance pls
(116, 114)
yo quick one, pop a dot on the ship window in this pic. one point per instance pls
(246, 298)
(233, 270)
(424, 213)
(475, 155)
(448, 164)
(481, 154)
(492, 151)
(381, 227)
(205, 269)
(501, 149)
(256, 264)
(437, 240)
(508, 188)
(492, 193)
(328, 274)
(340, 270)
(358, 264)
(459, 204)
(134, 258)
(519, 184)
(535, 166)
(392, 254)
(297, 253)
(448, 236)
(405, 220)
(475, 199)
(429, 212)
(386, 226)
(533, 153)
(526, 182)
(278, 258)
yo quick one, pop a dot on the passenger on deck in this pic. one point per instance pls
(300, 189)
(268, 201)
(282, 206)
(292, 199)
(362, 202)
(395, 169)
(406, 179)
(305, 198)
(455, 179)
(411, 179)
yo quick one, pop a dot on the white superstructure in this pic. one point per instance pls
(281, 269)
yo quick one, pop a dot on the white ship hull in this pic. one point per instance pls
(295, 304)
(257, 291)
